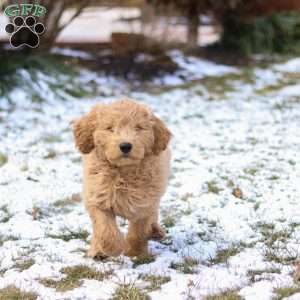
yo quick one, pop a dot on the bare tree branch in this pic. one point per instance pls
(75, 15)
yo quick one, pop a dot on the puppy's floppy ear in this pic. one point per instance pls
(83, 129)
(162, 136)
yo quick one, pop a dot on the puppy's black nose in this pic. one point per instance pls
(125, 147)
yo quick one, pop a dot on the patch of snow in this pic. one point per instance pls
(195, 68)
(71, 52)
(291, 66)
(244, 139)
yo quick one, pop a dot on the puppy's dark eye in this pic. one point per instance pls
(109, 128)
(139, 127)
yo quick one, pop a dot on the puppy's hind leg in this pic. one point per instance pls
(137, 237)
(107, 240)
(139, 232)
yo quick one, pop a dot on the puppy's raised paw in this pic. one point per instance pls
(157, 232)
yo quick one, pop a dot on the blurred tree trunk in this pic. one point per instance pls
(192, 29)
(52, 20)
(229, 13)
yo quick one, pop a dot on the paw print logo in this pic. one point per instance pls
(25, 32)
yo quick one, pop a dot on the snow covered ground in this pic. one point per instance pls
(231, 212)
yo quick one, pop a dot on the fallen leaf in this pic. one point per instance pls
(237, 192)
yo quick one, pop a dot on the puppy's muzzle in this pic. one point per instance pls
(125, 148)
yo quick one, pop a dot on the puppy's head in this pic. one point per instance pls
(124, 132)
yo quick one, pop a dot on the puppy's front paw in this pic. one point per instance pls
(157, 232)
(94, 253)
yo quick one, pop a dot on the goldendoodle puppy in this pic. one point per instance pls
(126, 166)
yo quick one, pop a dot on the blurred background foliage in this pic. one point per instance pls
(242, 27)
(255, 26)
(276, 33)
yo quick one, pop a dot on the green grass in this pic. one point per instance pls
(288, 80)
(218, 86)
(251, 171)
(187, 196)
(4, 239)
(223, 255)
(215, 86)
(287, 104)
(51, 138)
(129, 292)
(253, 141)
(271, 88)
(25, 264)
(272, 236)
(143, 259)
(155, 281)
(281, 256)
(51, 153)
(7, 216)
(13, 293)
(286, 292)
(71, 235)
(252, 274)
(65, 205)
(292, 162)
(74, 276)
(276, 241)
(294, 225)
(3, 159)
(256, 206)
(186, 266)
(227, 295)
(212, 187)
(169, 221)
